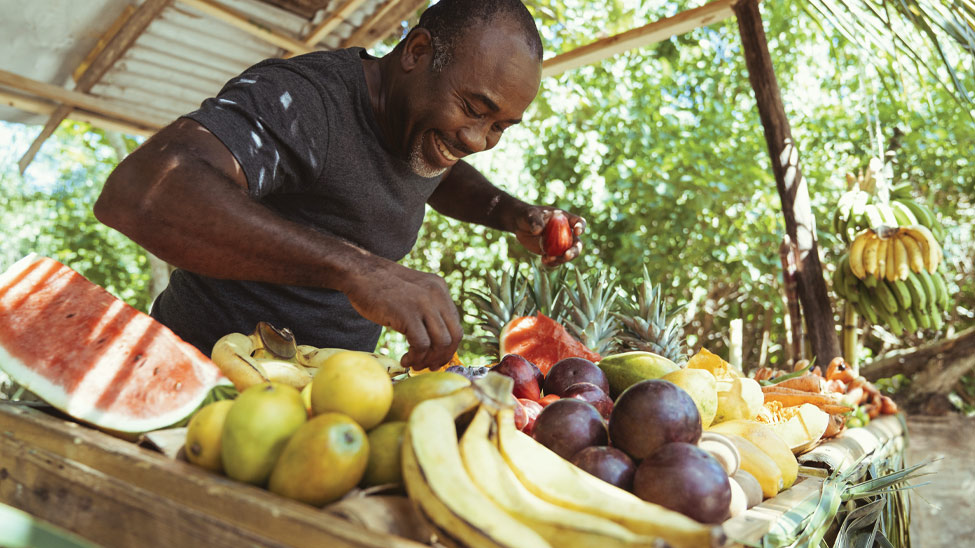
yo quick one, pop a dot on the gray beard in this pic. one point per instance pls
(419, 165)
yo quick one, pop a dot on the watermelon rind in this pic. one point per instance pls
(82, 402)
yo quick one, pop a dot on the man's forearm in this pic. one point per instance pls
(197, 219)
(468, 196)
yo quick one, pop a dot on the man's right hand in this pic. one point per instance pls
(416, 304)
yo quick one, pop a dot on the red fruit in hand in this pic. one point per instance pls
(557, 235)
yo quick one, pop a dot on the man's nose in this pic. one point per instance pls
(477, 138)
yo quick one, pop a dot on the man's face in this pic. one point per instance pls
(485, 88)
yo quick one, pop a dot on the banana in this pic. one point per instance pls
(936, 321)
(558, 481)
(901, 293)
(436, 479)
(914, 256)
(856, 253)
(906, 316)
(929, 288)
(941, 289)
(890, 273)
(900, 258)
(559, 526)
(887, 214)
(922, 316)
(901, 191)
(886, 298)
(882, 257)
(918, 295)
(874, 218)
(285, 372)
(922, 213)
(929, 246)
(867, 308)
(903, 215)
(232, 354)
(895, 325)
(312, 358)
(870, 254)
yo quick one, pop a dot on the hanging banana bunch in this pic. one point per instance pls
(892, 273)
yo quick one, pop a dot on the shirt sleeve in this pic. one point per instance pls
(273, 119)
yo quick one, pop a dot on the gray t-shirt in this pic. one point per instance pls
(305, 134)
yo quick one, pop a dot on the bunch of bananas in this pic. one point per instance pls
(271, 354)
(893, 252)
(892, 272)
(918, 301)
(494, 486)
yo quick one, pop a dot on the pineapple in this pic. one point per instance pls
(646, 326)
(547, 292)
(503, 301)
(590, 319)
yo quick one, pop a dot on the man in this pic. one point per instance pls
(290, 196)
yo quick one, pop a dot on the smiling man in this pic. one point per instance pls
(290, 196)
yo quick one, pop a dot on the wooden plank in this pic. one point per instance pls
(800, 224)
(103, 41)
(657, 31)
(240, 21)
(754, 523)
(332, 21)
(103, 509)
(77, 99)
(117, 46)
(383, 22)
(247, 508)
(38, 106)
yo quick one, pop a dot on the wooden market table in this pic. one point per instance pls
(114, 492)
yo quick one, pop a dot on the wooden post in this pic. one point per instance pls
(799, 222)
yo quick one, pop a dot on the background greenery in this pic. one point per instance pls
(660, 149)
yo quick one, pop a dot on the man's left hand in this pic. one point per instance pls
(532, 221)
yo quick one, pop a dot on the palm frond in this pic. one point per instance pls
(934, 35)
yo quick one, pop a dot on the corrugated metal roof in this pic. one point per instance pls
(183, 56)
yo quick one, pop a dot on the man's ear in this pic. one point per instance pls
(417, 50)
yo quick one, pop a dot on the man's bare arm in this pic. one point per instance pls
(183, 197)
(465, 194)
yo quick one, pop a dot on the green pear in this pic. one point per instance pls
(257, 427)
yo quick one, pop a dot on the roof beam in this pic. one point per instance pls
(381, 23)
(239, 20)
(41, 106)
(659, 30)
(116, 47)
(76, 99)
(332, 21)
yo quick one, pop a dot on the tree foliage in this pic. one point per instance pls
(660, 149)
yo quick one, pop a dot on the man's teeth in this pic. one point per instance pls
(446, 153)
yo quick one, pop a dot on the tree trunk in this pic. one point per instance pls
(936, 369)
(799, 222)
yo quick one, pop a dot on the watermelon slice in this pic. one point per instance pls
(92, 356)
(542, 341)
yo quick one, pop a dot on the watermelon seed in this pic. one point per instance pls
(179, 385)
(155, 371)
(137, 357)
(70, 315)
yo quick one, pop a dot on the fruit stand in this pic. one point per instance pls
(89, 482)
(144, 491)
